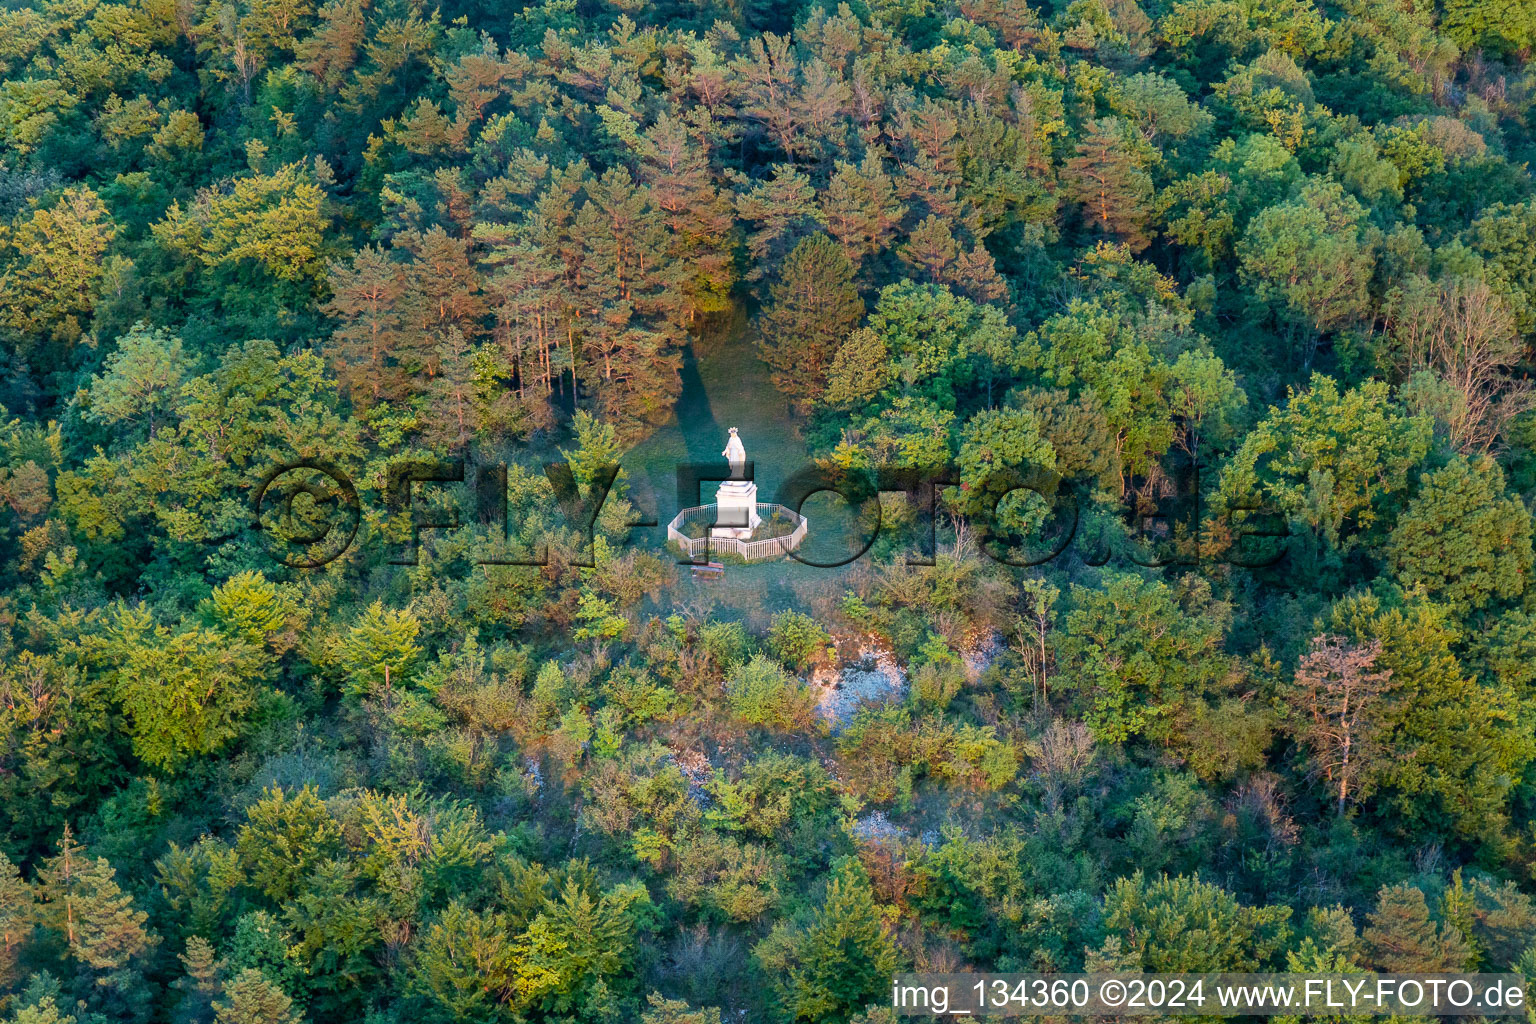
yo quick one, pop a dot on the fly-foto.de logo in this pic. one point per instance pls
(309, 513)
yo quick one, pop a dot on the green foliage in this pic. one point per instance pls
(1330, 460)
(798, 640)
(380, 650)
(1310, 260)
(1159, 278)
(250, 998)
(762, 693)
(56, 268)
(1136, 651)
(839, 960)
(1461, 538)
(1401, 937)
(813, 307)
(284, 838)
(877, 745)
(1457, 743)
(1184, 924)
(726, 643)
(464, 964)
(183, 694)
(143, 379)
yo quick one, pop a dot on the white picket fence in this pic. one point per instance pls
(747, 550)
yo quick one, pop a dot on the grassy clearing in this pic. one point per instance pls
(725, 385)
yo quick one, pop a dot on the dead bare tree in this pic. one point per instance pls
(1464, 332)
(1335, 704)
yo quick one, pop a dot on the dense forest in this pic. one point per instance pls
(1206, 320)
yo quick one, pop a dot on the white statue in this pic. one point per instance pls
(735, 453)
(736, 502)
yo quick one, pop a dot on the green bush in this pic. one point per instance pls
(798, 640)
(762, 693)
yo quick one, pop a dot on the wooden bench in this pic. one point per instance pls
(712, 571)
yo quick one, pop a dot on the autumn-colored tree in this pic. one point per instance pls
(251, 998)
(81, 902)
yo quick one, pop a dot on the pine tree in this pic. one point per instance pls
(1109, 181)
(841, 959)
(625, 240)
(769, 74)
(83, 904)
(930, 251)
(368, 345)
(202, 983)
(818, 105)
(1015, 20)
(476, 80)
(698, 217)
(632, 305)
(934, 255)
(931, 177)
(442, 292)
(16, 918)
(452, 395)
(814, 306)
(860, 208)
(533, 313)
(784, 205)
(252, 999)
(1402, 939)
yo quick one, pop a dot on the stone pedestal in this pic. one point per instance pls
(737, 500)
(736, 510)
